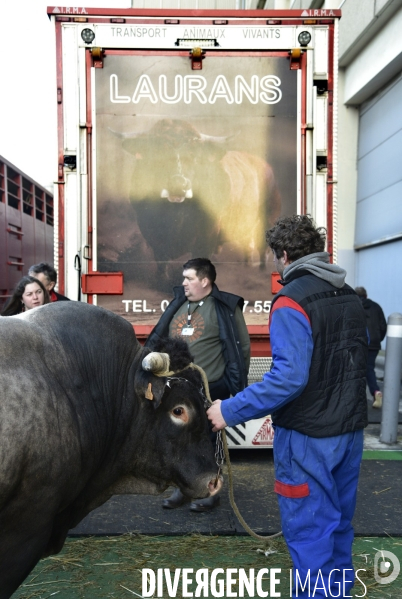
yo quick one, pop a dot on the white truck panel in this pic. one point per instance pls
(70, 90)
(320, 204)
(72, 241)
(236, 37)
(321, 53)
(321, 125)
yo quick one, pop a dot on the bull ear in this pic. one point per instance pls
(149, 387)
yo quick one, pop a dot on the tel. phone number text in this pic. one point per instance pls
(141, 306)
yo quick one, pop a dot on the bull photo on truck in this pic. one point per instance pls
(191, 164)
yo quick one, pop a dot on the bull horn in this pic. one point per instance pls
(219, 140)
(157, 363)
(129, 135)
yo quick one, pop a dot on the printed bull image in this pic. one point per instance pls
(197, 173)
(86, 412)
(206, 196)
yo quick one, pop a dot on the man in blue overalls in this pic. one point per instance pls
(316, 394)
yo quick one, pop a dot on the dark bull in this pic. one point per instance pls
(83, 416)
(192, 194)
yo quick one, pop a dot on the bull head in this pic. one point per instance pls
(170, 355)
(177, 137)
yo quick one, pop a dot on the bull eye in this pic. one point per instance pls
(179, 415)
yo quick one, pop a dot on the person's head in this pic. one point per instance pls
(45, 273)
(293, 237)
(199, 275)
(29, 293)
(361, 292)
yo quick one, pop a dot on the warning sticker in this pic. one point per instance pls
(265, 435)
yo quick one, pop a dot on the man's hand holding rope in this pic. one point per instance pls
(214, 414)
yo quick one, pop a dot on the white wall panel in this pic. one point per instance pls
(379, 215)
(380, 60)
(381, 167)
(381, 118)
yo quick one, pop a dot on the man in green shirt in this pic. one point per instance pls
(212, 323)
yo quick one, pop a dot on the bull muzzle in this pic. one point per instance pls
(179, 189)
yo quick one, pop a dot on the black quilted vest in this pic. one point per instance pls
(334, 400)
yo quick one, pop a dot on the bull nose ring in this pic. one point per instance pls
(217, 477)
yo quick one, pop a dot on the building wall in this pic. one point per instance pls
(378, 237)
(370, 58)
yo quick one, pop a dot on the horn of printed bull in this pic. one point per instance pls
(125, 135)
(214, 138)
(157, 363)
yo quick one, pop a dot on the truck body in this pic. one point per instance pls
(26, 226)
(183, 134)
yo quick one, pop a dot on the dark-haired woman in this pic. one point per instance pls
(29, 293)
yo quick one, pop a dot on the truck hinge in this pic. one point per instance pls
(196, 55)
(295, 55)
(97, 57)
(59, 95)
(61, 172)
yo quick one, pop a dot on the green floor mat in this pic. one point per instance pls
(111, 567)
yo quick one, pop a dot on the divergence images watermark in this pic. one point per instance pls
(386, 567)
(234, 582)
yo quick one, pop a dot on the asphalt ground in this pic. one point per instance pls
(378, 511)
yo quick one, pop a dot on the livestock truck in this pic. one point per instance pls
(186, 133)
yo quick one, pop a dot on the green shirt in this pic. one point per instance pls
(204, 341)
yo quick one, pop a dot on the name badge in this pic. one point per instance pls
(187, 331)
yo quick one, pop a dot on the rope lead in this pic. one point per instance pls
(229, 467)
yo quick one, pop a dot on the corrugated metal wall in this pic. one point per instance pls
(26, 226)
(379, 198)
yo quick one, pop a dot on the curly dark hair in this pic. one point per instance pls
(297, 235)
(178, 350)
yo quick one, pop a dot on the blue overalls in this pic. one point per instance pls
(316, 478)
